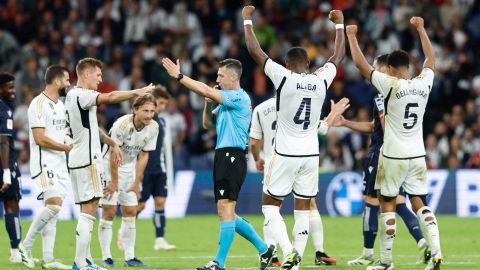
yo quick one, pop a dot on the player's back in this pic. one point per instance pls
(405, 103)
(45, 113)
(81, 107)
(264, 122)
(299, 102)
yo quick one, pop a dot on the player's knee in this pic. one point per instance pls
(388, 198)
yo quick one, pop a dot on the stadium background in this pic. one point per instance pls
(131, 37)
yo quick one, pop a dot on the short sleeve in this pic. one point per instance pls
(88, 98)
(231, 99)
(327, 73)
(426, 77)
(6, 124)
(117, 134)
(275, 72)
(151, 144)
(256, 131)
(383, 82)
(36, 115)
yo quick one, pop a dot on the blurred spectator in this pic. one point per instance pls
(136, 25)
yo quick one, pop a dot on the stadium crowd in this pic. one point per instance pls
(131, 37)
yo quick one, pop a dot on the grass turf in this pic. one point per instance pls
(196, 238)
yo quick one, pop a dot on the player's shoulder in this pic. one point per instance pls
(124, 122)
(153, 125)
(38, 102)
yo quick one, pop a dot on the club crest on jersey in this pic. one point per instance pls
(306, 86)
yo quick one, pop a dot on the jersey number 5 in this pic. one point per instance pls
(409, 114)
(306, 104)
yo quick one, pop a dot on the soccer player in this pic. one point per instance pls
(10, 192)
(136, 134)
(370, 211)
(262, 135)
(48, 164)
(155, 177)
(403, 154)
(85, 159)
(294, 165)
(233, 116)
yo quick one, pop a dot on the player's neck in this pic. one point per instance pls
(83, 85)
(400, 73)
(137, 123)
(51, 93)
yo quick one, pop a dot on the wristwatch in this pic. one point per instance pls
(180, 76)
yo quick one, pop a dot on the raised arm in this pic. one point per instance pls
(426, 44)
(119, 96)
(207, 122)
(365, 68)
(196, 86)
(250, 39)
(336, 16)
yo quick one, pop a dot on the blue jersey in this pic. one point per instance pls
(377, 134)
(6, 129)
(233, 119)
(156, 159)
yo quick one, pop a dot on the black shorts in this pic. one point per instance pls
(154, 184)
(14, 191)
(370, 173)
(229, 170)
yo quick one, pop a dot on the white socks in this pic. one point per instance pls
(316, 230)
(301, 230)
(39, 222)
(48, 239)
(128, 234)
(83, 238)
(388, 228)
(105, 237)
(430, 223)
(276, 226)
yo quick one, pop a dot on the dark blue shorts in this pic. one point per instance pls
(14, 191)
(370, 173)
(154, 184)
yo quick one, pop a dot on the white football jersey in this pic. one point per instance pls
(81, 105)
(264, 121)
(131, 141)
(45, 113)
(299, 102)
(405, 102)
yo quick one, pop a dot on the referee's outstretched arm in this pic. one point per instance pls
(196, 86)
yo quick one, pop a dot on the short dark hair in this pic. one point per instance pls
(87, 63)
(232, 64)
(144, 99)
(6, 77)
(54, 72)
(296, 55)
(160, 92)
(382, 59)
(398, 58)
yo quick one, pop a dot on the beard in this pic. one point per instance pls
(64, 90)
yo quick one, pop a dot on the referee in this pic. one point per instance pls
(233, 116)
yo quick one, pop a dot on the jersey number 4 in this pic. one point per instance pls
(409, 115)
(306, 104)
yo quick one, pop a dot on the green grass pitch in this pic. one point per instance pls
(196, 239)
